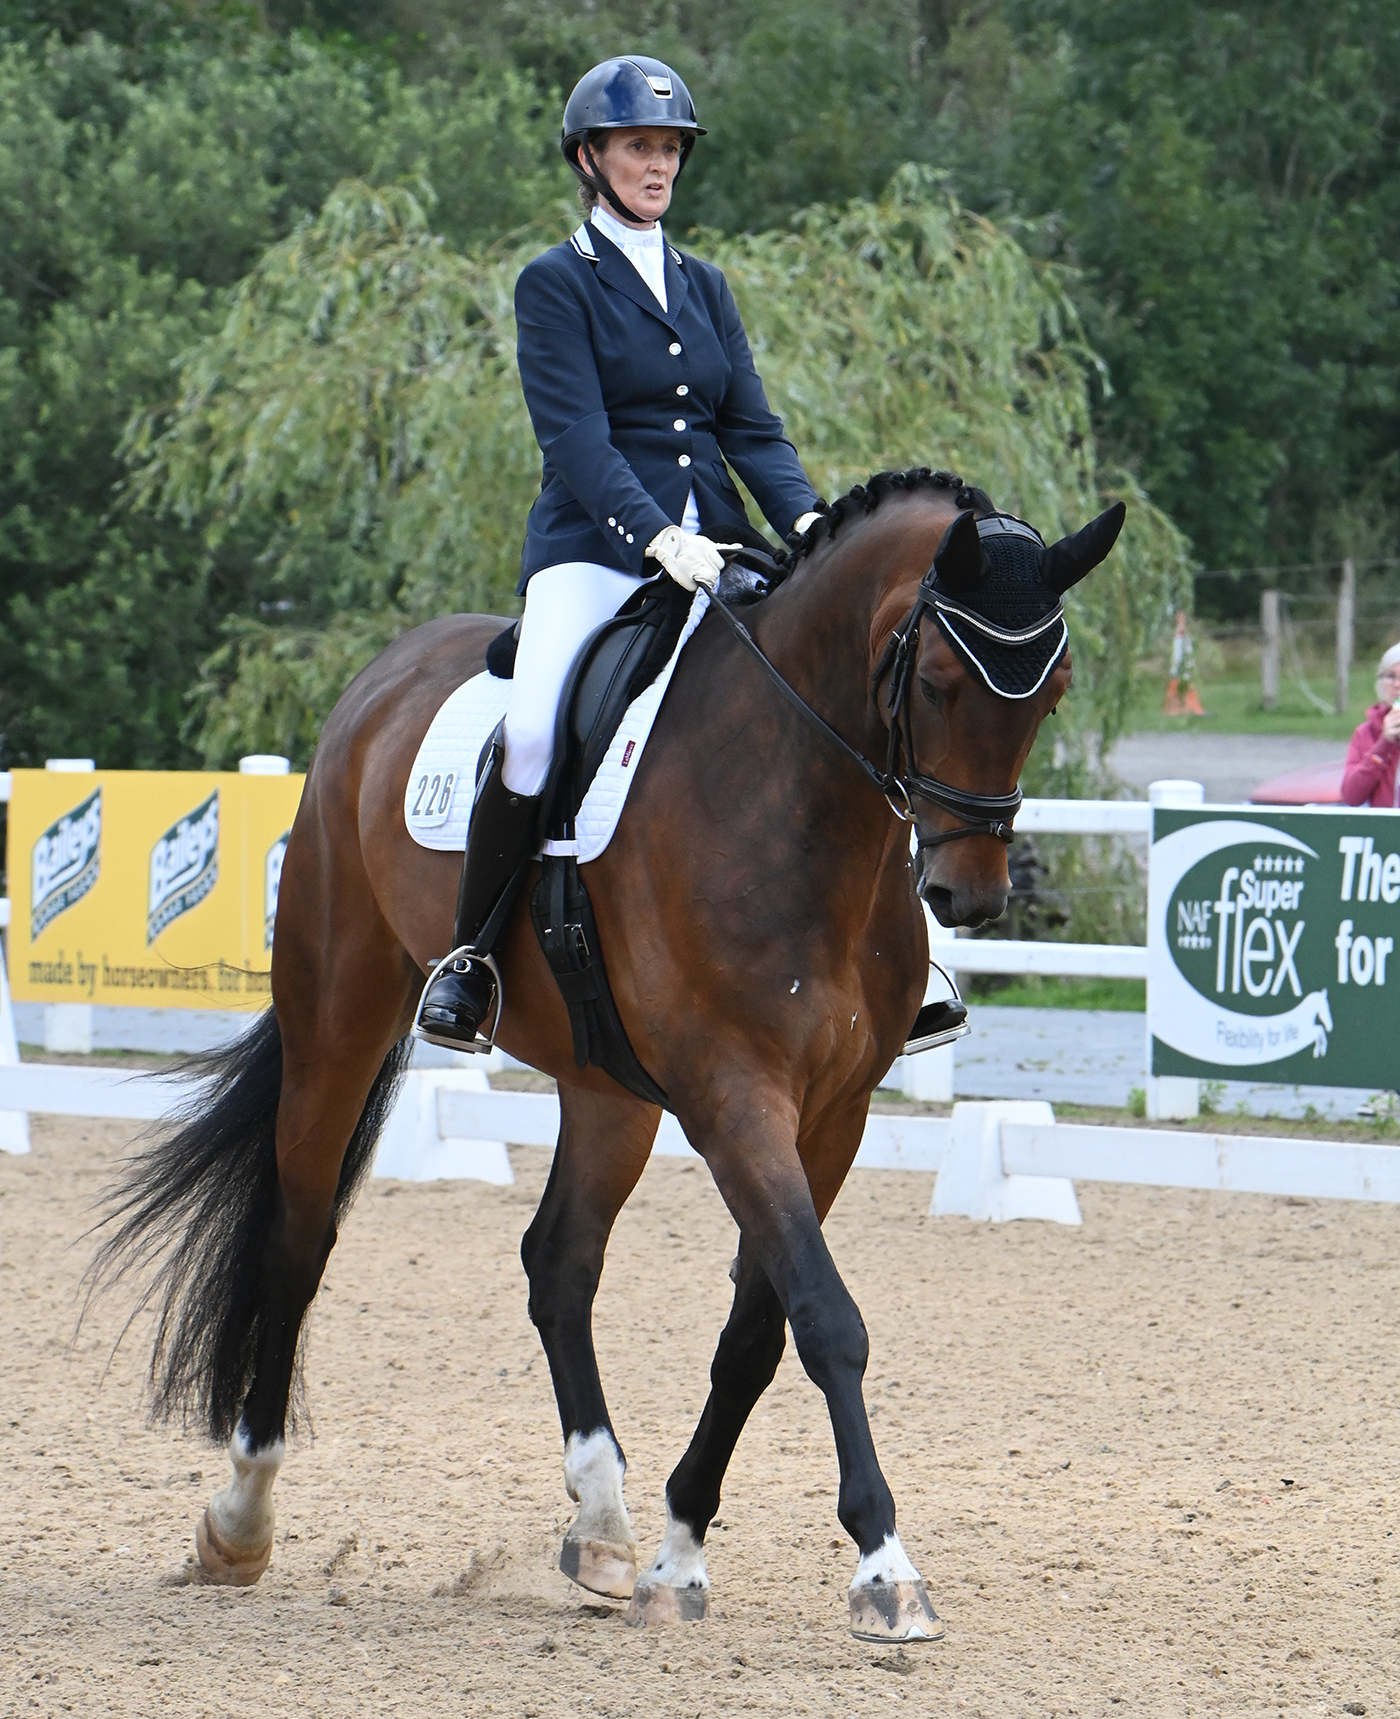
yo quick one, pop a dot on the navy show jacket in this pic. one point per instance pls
(632, 404)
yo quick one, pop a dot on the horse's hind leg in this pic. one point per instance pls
(604, 1142)
(341, 1020)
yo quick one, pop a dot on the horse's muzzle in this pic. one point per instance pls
(964, 902)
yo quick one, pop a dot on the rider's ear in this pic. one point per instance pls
(1065, 563)
(960, 563)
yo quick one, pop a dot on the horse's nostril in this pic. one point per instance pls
(940, 902)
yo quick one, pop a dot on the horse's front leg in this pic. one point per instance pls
(676, 1586)
(756, 1165)
(604, 1142)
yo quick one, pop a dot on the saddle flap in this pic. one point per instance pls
(616, 662)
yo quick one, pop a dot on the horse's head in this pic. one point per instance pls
(964, 679)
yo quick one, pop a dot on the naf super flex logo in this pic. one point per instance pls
(1268, 940)
(65, 863)
(1239, 981)
(184, 866)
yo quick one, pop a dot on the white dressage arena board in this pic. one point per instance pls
(437, 804)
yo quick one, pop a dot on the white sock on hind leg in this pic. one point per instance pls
(242, 1512)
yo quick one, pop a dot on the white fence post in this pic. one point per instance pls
(972, 1181)
(415, 1146)
(1170, 1097)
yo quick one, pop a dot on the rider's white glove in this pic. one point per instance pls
(691, 560)
(804, 524)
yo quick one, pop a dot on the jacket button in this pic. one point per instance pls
(675, 349)
(629, 536)
(679, 424)
(684, 460)
(612, 522)
(683, 389)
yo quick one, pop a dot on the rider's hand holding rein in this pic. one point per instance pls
(690, 560)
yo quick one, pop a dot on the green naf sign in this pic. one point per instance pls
(1272, 946)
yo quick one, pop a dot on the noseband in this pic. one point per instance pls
(981, 814)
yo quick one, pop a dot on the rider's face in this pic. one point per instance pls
(641, 164)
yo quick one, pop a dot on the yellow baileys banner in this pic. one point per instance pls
(156, 888)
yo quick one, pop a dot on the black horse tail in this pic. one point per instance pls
(192, 1212)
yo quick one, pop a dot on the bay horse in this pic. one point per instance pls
(759, 911)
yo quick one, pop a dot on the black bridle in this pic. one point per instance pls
(981, 814)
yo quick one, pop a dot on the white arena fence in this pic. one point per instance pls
(996, 1160)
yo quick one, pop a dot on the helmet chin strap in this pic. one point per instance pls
(600, 185)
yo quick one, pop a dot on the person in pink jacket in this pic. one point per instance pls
(1370, 775)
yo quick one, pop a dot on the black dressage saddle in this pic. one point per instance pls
(615, 664)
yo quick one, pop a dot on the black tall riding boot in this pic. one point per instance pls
(503, 827)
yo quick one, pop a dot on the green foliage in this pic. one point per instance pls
(360, 406)
(1039, 991)
(138, 184)
(1219, 183)
(1226, 179)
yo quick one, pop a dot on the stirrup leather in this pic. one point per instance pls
(483, 1043)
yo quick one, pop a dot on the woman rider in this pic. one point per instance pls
(640, 385)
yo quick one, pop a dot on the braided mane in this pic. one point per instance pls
(866, 497)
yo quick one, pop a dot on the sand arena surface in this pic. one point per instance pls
(1088, 1433)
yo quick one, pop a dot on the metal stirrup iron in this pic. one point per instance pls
(483, 1043)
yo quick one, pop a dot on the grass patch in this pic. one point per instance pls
(1233, 702)
(1039, 991)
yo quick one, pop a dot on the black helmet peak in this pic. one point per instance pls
(631, 90)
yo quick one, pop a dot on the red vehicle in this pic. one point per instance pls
(1316, 785)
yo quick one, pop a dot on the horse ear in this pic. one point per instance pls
(960, 564)
(1065, 563)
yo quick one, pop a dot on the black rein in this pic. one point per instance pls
(981, 814)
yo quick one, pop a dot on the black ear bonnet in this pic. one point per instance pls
(996, 590)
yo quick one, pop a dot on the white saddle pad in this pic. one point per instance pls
(438, 802)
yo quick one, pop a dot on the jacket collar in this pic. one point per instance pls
(615, 271)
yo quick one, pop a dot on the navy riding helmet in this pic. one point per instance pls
(630, 90)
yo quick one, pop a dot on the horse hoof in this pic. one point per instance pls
(228, 1566)
(894, 1611)
(658, 1603)
(602, 1566)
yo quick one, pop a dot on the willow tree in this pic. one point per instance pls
(360, 412)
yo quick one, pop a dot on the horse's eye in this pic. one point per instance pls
(929, 691)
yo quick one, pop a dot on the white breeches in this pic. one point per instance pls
(562, 607)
